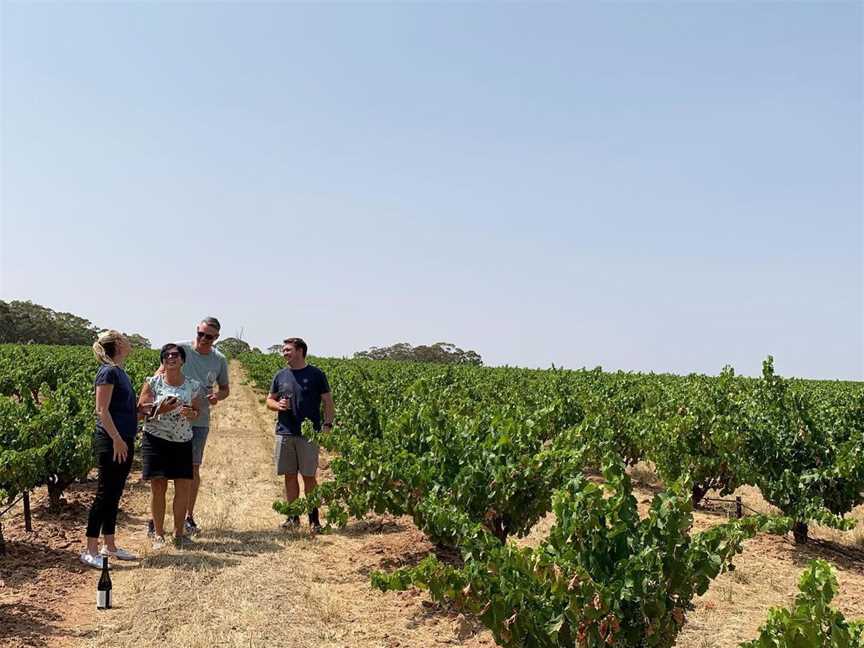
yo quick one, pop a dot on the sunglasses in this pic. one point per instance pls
(206, 336)
(171, 354)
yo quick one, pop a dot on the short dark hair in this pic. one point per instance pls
(212, 322)
(171, 345)
(297, 343)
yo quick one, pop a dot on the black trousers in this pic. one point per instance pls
(112, 479)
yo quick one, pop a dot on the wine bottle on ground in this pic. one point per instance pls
(103, 589)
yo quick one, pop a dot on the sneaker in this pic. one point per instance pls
(151, 529)
(292, 522)
(190, 526)
(118, 553)
(158, 542)
(91, 560)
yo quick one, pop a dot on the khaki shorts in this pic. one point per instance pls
(293, 454)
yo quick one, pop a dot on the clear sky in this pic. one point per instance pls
(645, 186)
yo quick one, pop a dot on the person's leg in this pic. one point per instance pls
(158, 488)
(199, 440)
(193, 489)
(151, 469)
(309, 483)
(118, 474)
(182, 489)
(292, 488)
(96, 517)
(307, 456)
(285, 456)
(307, 461)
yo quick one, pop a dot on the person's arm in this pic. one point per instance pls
(145, 401)
(222, 394)
(192, 410)
(277, 404)
(222, 380)
(148, 399)
(274, 402)
(103, 401)
(329, 410)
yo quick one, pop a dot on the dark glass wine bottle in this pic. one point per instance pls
(103, 589)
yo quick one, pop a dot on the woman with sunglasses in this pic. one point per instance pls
(174, 402)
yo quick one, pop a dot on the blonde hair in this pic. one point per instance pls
(105, 346)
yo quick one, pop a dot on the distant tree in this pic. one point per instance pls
(138, 341)
(443, 352)
(232, 347)
(8, 325)
(274, 348)
(24, 322)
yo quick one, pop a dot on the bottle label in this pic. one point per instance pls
(103, 599)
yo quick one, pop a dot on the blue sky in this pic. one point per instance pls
(645, 186)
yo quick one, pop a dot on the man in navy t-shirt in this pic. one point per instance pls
(296, 395)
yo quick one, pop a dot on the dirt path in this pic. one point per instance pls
(246, 582)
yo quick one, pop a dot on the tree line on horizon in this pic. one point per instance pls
(440, 352)
(23, 322)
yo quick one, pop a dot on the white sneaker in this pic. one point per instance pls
(91, 560)
(119, 554)
(158, 542)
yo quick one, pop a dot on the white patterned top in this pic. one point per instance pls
(172, 426)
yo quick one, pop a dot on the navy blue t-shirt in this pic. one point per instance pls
(312, 384)
(123, 406)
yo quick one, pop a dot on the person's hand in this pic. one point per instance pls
(211, 398)
(121, 450)
(283, 405)
(144, 408)
(168, 405)
(188, 412)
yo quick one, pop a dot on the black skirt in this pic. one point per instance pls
(166, 459)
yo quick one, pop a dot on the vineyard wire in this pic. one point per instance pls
(4, 512)
(9, 508)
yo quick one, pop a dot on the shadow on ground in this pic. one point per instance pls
(845, 557)
(370, 526)
(213, 549)
(22, 624)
